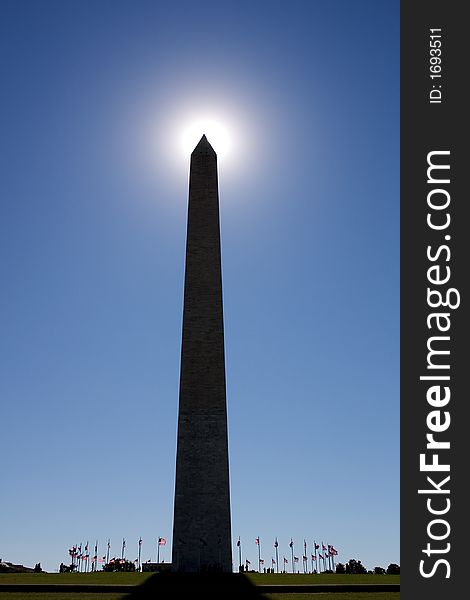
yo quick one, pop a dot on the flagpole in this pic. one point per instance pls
(259, 555)
(140, 553)
(315, 548)
(96, 555)
(277, 557)
(306, 557)
(123, 546)
(239, 554)
(107, 551)
(292, 549)
(158, 550)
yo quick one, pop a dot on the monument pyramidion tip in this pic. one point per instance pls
(203, 146)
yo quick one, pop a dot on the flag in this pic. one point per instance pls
(296, 559)
(320, 556)
(276, 544)
(314, 557)
(291, 543)
(273, 561)
(285, 560)
(323, 547)
(86, 547)
(257, 541)
(238, 543)
(140, 541)
(248, 562)
(136, 560)
(317, 546)
(305, 557)
(261, 561)
(161, 541)
(109, 544)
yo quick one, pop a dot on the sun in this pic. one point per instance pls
(215, 131)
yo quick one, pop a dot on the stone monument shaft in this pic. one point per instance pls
(201, 525)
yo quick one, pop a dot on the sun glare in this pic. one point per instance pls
(217, 134)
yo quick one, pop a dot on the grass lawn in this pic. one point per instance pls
(137, 578)
(290, 578)
(94, 578)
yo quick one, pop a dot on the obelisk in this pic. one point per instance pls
(201, 525)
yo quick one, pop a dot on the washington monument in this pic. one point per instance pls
(201, 525)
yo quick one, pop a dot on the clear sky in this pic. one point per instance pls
(93, 198)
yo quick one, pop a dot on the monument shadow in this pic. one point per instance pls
(197, 585)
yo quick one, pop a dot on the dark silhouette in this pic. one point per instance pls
(197, 585)
(340, 569)
(379, 571)
(37, 568)
(117, 565)
(354, 566)
(393, 569)
(201, 524)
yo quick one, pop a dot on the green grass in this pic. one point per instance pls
(95, 578)
(289, 578)
(138, 578)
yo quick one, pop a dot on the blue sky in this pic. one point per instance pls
(92, 234)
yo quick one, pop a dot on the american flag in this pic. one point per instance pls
(261, 561)
(257, 541)
(296, 559)
(140, 541)
(314, 557)
(285, 560)
(276, 544)
(161, 541)
(238, 543)
(291, 543)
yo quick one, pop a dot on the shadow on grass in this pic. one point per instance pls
(197, 585)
